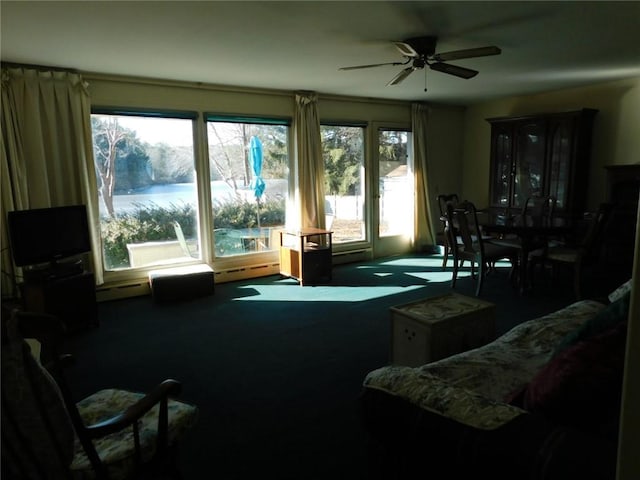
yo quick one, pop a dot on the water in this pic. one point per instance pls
(167, 195)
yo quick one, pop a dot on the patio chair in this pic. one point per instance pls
(112, 434)
(183, 242)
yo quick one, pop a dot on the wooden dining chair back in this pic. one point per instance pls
(473, 247)
(538, 211)
(443, 200)
(584, 253)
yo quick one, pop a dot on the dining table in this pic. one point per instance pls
(529, 238)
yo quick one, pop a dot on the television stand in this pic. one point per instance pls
(53, 271)
(69, 296)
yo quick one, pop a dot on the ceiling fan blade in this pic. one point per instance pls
(401, 76)
(453, 70)
(468, 53)
(357, 67)
(406, 50)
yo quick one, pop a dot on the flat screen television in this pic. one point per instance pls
(48, 234)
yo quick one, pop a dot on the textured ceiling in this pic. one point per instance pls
(300, 45)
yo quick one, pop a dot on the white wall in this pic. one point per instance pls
(615, 138)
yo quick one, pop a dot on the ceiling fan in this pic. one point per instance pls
(420, 52)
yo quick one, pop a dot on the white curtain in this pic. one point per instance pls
(47, 155)
(309, 165)
(424, 234)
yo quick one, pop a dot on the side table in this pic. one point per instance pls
(306, 255)
(433, 328)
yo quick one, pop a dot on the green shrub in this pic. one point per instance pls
(153, 223)
(244, 214)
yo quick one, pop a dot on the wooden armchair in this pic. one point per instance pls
(112, 434)
(473, 246)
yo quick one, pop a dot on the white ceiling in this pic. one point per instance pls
(300, 45)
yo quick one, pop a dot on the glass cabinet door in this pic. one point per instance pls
(559, 162)
(501, 168)
(528, 162)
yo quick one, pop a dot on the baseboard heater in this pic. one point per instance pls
(350, 256)
(136, 288)
(122, 290)
(248, 271)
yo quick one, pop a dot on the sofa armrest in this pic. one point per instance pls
(408, 442)
(436, 395)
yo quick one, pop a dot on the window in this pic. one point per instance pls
(343, 154)
(395, 183)
(249, 167)
(146, 184)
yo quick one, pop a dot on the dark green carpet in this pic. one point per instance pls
(276, 368)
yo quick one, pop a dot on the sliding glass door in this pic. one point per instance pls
(394, 192)
(343, 155)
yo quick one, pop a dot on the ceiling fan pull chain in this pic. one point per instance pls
(425, 79)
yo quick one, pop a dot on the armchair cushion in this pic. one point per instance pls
(117, 450)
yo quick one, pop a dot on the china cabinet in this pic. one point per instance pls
(539, 155)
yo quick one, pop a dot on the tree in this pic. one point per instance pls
(229, 151)
(342, 153)
(121, 159)
(107, 134)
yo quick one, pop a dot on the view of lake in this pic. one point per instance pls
(345, 207)
(181, 193)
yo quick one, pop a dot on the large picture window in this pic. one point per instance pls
(147, 188)
(343, 154)
(249, 167)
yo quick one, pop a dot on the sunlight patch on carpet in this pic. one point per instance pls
(433, 261)
(436, 276)
(323, 293)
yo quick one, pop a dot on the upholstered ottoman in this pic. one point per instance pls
(181, 283)
(440, 326)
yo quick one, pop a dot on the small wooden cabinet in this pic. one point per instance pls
(71, 298)
(306, 255)
(539, 155)
(433, 328)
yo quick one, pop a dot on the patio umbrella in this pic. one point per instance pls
(255, 157)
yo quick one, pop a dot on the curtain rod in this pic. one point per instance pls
(43, 68)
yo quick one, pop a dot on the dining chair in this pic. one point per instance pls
(111, 434)
(538, 211)
(584, 253)
(474, 247)
(442, 204)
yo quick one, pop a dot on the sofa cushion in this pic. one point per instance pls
(607, 318)
(582, 385)
(621, 291)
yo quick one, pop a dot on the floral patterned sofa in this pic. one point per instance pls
(540, 402)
